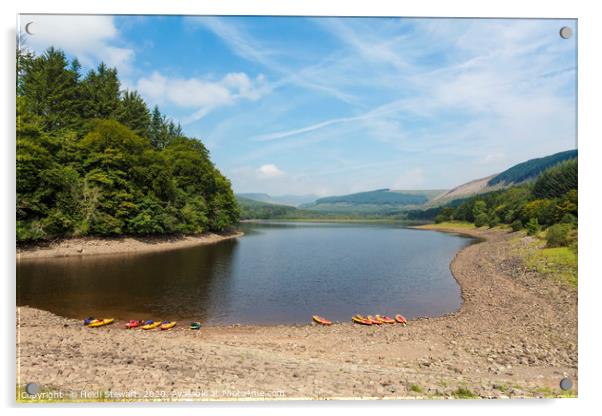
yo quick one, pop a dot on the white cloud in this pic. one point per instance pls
(201, 94)
(90, 38)
(269, 171)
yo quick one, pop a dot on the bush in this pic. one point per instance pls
(481, 219)
(533, 226)
(560, 235)
(494, 221)
(517, 225)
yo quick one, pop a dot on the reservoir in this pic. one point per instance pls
(278, 272)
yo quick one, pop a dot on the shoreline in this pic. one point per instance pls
(126, 245)
(515, 335)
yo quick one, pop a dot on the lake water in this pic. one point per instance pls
(276, 273)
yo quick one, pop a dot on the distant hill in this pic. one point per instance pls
(380, 200)
(517, 174)
(252, 209)
(291, 200)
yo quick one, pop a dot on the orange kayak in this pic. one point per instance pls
(399, 318)
(374, 320)
(320, 320)
(386, 319)
(359, 319)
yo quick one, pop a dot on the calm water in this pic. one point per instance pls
(276, 273)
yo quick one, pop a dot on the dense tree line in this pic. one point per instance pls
(95, 160)
(551, 203)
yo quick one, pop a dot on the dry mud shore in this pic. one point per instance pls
(514, 336)
(121, 245)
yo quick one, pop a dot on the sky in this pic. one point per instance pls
(330, 106)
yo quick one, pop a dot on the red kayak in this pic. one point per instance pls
(399, 318)
(133, 324)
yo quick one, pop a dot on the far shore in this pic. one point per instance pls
(94, 246)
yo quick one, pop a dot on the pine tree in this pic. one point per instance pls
(100, 90)
(51, 91)
(134, 113)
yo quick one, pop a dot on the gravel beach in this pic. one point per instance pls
(514, 336)
(91, 246)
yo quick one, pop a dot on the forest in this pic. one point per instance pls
(549, 203)
(92, 159)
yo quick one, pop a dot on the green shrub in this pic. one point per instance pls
(533, 226)
(481, 219)
(560, 235)
(517, 225)
(494, 221)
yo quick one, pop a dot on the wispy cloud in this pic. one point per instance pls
(248, 47)
(204, 95)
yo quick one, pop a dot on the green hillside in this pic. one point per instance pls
(531, 168)
(377, 197)
(291, 200)
(251, 209)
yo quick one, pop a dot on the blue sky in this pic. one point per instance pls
(293, 105)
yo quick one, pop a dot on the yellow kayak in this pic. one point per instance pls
(358, 319)
(168, 325)
(151, 326)
(101, 322)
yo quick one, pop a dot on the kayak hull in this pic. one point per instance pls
(320, 320)
(101, 322)
(169, 325)
(361, 320)
(151, 326)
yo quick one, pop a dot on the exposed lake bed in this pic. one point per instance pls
(514, 336)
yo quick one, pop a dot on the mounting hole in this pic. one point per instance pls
(566, 384)
(566, 32)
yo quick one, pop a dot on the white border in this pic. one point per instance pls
(590, 34)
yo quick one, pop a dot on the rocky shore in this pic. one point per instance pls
(514, 336)
(117, 245)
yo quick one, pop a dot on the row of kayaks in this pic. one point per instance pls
(146, 325)
(379, 320)
(366, 320)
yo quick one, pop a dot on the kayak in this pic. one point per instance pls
(134, 324)
(374, 320)
(195, 325)
(151, 325)
(90, 320)
(167, 325)
(385, 319)
(320, 320)
(359, 319)
(400, 319)
(101, 322)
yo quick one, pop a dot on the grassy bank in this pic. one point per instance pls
(560, 263)
(460, 225)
